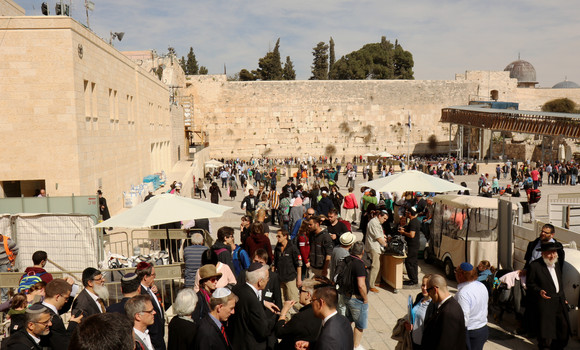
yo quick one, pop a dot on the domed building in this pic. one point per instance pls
(524, 72)
(566, 85)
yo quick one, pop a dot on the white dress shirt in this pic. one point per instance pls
(144, 336)
(328, 317)
(473, 298)
(552, 271)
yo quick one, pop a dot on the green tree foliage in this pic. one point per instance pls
(246, 75)
(320, 62)
(191, 67)
(332, 56)
(561, 105)
(182, 63)
(375, 61)
(202, 70)
(289, 72)
(270, 66)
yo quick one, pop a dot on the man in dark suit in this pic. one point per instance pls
(533, 252)
(211, 333)
(90, 300)
(248, 327)
(57, 295)
(544, 283)
(336, 332)
(444, 326)
(130, 286)
(146, 274)
(37, 325)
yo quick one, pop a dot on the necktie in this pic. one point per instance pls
(224, 334)
(102, 304)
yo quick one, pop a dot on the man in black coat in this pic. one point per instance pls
(37, 325)
(444, 326)
(544, 283)
(248, 328)
(57, 298)
(146, 273)
(336, 332)
(90, 300)
(130, 286)
(533, 252)
(211, 333)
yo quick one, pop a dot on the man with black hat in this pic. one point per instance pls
(533, 250)
(130, 286)
(544, 284)
(38, 322)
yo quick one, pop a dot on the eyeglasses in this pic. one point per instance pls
(45, 323)
(547, 233)
(430, 288)
(100, 279)
(315, 299)
(213, 279)
(65, 298)
(149, 311)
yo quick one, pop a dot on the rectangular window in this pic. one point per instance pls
(94, 110)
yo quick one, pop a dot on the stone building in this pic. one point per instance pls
(77, 115)
(348, 118)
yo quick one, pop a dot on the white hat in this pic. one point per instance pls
(221, 293)
(347, 238)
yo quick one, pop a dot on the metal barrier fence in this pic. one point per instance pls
(168, 279)
(144, 241)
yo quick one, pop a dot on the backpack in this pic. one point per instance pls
(396, 246)
(241, 260)
(343, 277)
(28, 280)
(535, 196)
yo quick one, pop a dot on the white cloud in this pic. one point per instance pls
(445, 36)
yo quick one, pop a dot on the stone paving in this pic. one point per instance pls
(386, 307)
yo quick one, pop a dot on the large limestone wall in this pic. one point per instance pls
(10, 8)
(245, 119)
(305, 117)
(80, 121)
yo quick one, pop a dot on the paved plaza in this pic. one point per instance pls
(386, 307)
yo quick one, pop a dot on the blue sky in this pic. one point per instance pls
(445, 36)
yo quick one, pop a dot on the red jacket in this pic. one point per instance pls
(350, 201)
(255, 242)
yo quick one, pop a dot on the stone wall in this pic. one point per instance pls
(10, 8)
(296, 118)
(306, 117)
(79, 114)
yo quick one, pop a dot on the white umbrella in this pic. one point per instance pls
(163, 209)
(385, 155)
(368, 155)
(213, 163)
(412, 180)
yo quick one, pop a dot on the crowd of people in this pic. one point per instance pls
(309, 291)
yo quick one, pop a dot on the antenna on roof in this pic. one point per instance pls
(518, 56)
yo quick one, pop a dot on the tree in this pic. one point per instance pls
(332, 56)
(320, 63)
(246, 75)
(270, 66)
(375, 61)
(289, 72)
(561, 105)
(191, 67)
(182, 63)
(202, 70)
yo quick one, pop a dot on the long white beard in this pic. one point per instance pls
(101, 291)
(550, 262)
